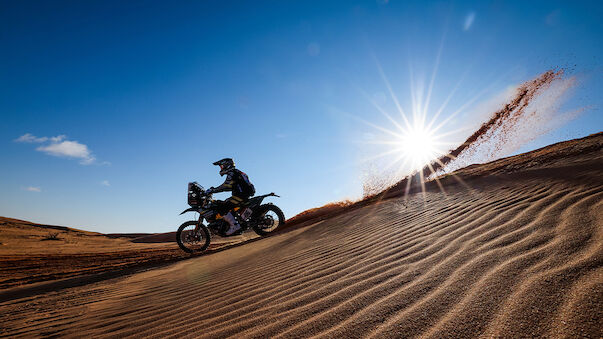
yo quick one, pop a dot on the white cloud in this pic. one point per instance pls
(33, 189)
(69, 149)
(468, 21)
(105, 183)
(58, 138)
(59, 146)
(28, 138)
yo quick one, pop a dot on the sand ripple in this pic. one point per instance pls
(519, 257)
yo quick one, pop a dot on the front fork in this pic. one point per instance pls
(199, 223)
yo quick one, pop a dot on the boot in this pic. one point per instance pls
(234, 225)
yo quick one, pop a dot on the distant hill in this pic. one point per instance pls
(146, 237)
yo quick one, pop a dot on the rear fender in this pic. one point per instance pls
(257, 201)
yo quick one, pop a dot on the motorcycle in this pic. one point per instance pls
(194, 236)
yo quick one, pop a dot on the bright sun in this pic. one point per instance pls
(411, 141)
(418, 146)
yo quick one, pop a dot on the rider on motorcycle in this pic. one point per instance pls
(237, 182)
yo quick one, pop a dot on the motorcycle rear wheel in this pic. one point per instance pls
(189, 241)
(269, 219)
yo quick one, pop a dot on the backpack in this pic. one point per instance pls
(243, 187)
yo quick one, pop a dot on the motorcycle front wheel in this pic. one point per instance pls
(269, 218)
(192, 241)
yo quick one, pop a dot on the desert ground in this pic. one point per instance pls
(511, 248)
(31, 253)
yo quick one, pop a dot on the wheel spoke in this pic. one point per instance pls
(193, 238)
(270, 221)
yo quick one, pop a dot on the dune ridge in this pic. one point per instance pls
(511, 254)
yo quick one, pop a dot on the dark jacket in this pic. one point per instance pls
(237, 182)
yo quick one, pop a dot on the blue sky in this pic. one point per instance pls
(142, 96)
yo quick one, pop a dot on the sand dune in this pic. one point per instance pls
(31, 253)
(516, 254)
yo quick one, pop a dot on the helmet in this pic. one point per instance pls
(225, 164)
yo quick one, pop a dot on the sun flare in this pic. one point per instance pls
(415, 136)
(418, 146)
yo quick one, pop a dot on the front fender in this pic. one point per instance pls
(192, 209)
